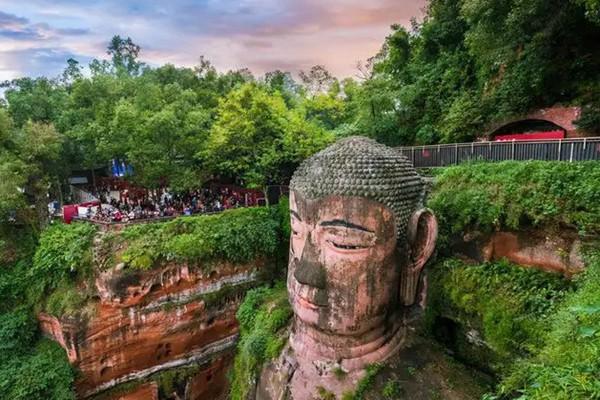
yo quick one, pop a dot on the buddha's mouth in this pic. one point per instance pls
(310, 297)
(307, 303)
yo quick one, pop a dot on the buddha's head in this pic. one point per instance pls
(360, 237)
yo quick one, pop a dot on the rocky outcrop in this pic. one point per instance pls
(149, 323)
(540, 248)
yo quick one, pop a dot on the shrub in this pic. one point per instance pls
(236, 235)
(392, 390)
(567, 365)
(64, 253)
(17, 333)
(41, 374)
(66, 299)
(263, 316)
(510, 304)
(512, 194)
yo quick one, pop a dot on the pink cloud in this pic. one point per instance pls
(263, 35)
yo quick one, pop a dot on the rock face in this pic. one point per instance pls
(543, 249)
(420, 370)
(360, 239)
(147, 391)
(175, 320)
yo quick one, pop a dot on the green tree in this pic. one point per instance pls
(72, 72)
(38, 147)
(251, 136)
(471, 62)
(124, 55)
(317, 80)
(38, 100)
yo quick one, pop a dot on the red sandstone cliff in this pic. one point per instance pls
(164, 333)
(545, 249)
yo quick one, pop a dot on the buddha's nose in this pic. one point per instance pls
(309, 270)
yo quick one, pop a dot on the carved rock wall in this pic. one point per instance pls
(150, 322)
(544, 249)
(148, 391)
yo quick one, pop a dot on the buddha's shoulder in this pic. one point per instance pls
(422, 371)
(419, 371)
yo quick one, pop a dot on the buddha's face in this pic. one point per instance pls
(344, 267)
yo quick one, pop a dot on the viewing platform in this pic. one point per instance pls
(442, 155)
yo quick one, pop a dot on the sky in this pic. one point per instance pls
(38, 36)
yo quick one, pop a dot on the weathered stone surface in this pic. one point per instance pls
(359, 242)
(420, 370)
(539, 248)
(153, 321)
(148, 391)
(276, 375)
(210, 383)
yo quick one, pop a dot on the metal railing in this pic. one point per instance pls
(441, 155)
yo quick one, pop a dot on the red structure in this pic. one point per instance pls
(557, 134)
(545, 123)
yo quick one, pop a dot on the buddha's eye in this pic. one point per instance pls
(348, 240)
(344, 246)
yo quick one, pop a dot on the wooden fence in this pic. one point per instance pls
(441, 155)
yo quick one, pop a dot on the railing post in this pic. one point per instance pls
(456, 153)
(571, 156)
(559, 148)
(512, 150)
(413, 155)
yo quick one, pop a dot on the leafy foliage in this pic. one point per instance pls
(29, 170)
(64, 254)
(484, 196)
(473, 62)
(40, 374)
(257, 138)
(263, 316)
(566, 365)
(545, 331)
(542, 331)
(236, 235)
(17, 333)
(512, 303)
(31, 368)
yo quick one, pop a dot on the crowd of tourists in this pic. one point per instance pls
(130, 205)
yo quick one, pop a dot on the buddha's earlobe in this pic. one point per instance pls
(422, 234)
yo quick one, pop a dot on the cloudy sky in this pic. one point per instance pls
(38, 36)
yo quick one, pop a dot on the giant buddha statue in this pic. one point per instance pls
(360, 239)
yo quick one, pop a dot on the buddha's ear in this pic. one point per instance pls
(422, 234)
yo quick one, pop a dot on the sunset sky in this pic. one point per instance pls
(38, 36)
